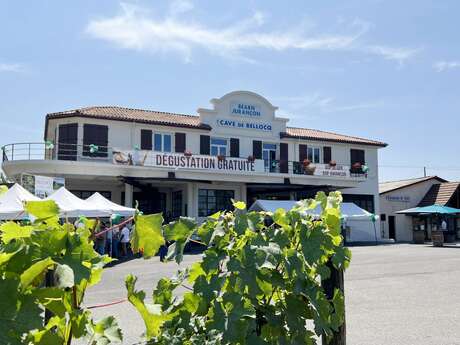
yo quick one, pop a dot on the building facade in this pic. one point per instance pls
(193, 165)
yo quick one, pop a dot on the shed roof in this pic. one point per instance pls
(193, 121)
(439, 194)
(389, 186)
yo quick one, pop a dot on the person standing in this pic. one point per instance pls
(444, 225)
(100, 237)
(115, 242)
(125, 240)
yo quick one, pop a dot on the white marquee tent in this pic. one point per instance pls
(362, 228)
(72, 206)
(12, 203)
(98, 201)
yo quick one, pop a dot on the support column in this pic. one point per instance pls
(191, 200)
(293, 196)
(243, 194)
(128, 195)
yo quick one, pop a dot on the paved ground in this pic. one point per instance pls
(395, 295)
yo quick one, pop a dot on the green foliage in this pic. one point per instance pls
(47, 265)
(256, 283)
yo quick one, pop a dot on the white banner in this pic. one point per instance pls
(188, 162)
(41, 186)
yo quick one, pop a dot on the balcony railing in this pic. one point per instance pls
(105, 154)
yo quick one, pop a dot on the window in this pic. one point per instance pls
(364, 201)
(313, 154)
(95, 140)
(213, 200)
(177, 204)
(218, 147)
(162, 142)
(269, 156)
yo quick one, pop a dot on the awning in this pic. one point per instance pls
(98, 201)
(12, 203)
(348, 210)
(72, 206)
(433, 209)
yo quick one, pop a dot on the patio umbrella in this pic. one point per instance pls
(432, 209)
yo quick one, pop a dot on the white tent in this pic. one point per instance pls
(98, 201)
(359, 221)
(72, 206)
(12, 203)
(348, 209)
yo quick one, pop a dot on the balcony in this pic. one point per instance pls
(118, 161)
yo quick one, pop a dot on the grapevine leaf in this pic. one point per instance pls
(239, 205)
(150, 313)
(12, 231)
(42, 209)
(105, 332)
(341, 258)
(147, 235)
(29, 275)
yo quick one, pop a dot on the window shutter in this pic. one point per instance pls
(257, 149)
(97, 135)
(284, 158)
(205, 144)
(68, 140)
(234, 147)
(146, 139)
(303, 153)
(357, 156)
(180, 142)
(327, 154)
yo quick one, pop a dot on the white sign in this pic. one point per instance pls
(187, 162)
(266, 127)
(245, 109)
(332, 171)
(41, 186)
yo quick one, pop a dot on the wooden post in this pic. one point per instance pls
(335, 281)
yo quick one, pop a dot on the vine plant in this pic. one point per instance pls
(259, 280)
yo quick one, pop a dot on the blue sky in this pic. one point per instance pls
(382, 69)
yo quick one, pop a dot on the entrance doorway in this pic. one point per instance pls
(392, 227)
(269, 156)
(151, 202)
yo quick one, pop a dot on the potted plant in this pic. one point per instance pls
(310, 169)
(306, 162)
(332, 163)
(221, 157)
(251, 159)
(187, 153)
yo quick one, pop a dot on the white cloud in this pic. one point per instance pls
(180, 6)
(393, 53)
(8, 67)
(312, 105)
(134, 29)
(442, 66)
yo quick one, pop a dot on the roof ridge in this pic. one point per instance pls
(335, 133)
(88, 108)
(411, 179)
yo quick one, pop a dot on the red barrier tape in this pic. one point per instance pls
(114, 227)
(107, 304)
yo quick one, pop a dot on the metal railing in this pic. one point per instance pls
(91, 152)
(59, 151)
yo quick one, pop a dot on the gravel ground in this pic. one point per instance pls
(395, 294)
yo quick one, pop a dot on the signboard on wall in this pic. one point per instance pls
(332, 171)
(397, 198)
(182, 161)
(258, 126)
(245, 109)
(41, 186)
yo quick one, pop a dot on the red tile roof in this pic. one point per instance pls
(439, 194)
(136, 115)
(193, 121)
(314, 134)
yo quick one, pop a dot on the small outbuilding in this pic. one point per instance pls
(431, 191)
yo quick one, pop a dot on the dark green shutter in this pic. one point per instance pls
(205, 144)
(234, 147)
(327, 154)
(257, 149)
(180, 142)
(284, 158)
(146, 139)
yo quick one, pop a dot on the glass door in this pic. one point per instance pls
(269, 156)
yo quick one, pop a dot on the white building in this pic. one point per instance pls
(401, 195)
(192, 165)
